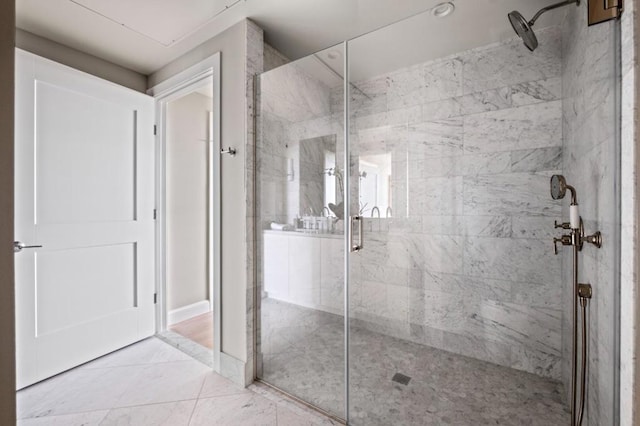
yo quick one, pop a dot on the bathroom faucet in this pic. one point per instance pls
(388, 212)
(375, 209)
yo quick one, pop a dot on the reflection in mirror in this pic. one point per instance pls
(317, 181)
(375, 185)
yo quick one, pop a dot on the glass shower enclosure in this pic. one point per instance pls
(406, 271)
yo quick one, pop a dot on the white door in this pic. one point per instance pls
(84, 192)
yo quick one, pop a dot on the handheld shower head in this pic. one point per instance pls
(559, 189)
(524, 29)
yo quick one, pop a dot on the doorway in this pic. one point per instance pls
(187, 193)
(188, 211)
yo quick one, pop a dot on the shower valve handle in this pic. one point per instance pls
(563, 225)
(565, 240)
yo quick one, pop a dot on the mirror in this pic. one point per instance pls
(374, 186)
(314, 177)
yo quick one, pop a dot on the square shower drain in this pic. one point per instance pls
(401, 378)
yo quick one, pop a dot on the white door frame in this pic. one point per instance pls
(175, 87)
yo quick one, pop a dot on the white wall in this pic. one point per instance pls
(7, 334)
(187, 208)
(81, 61)
(232, 45)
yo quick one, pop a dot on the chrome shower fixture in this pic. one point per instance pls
(582, 292)
(524, 29)
(559, 188)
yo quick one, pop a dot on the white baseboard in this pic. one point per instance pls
(187, 312)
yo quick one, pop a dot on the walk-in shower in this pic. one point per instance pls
(452, 309)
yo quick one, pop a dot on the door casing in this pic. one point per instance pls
(175, 87)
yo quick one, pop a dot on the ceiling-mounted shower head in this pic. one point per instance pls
(524, 29)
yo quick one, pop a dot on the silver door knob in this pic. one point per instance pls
(18, 246)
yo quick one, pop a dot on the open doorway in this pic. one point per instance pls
(188, 203)
(188, 141)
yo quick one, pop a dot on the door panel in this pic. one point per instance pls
(84, 191)
(103, 135)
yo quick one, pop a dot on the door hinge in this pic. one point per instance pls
(602, 11)
(155, 298)
(155, 130)
(155, 214)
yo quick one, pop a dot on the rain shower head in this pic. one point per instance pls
(524, 29)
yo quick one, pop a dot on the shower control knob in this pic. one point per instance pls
(563, 225)
(595, 239)
(565, 240)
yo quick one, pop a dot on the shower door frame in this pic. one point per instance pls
(348, 239)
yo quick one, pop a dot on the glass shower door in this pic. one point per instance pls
(455, 309)
(455, 301)
(300, 193)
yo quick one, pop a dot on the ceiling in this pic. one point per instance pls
(145, 35)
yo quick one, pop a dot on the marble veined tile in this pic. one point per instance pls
(535, 160)
(216, 385)
(442, 79)
(489, 100)
(484, 164)
(437, 138)
(165, 382)
(76, 391)
(406, 87)
(461, 285)
(517, 194)
(526, 127)
(286, 417)
(519, 325)
(149, 351)
(167, 414)
(504, 64)
(91, 418)
(436, 196)
(247, 409)
(511, 259)
(395, 117)
(442, 109)
(531, 92)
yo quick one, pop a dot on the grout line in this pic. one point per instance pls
(193, 410)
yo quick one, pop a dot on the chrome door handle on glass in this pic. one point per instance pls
(18, 246)
(360, 245)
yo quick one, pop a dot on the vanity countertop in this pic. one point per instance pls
(304, 233)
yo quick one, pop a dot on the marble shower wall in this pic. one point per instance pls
(589, 127)
(466, 263)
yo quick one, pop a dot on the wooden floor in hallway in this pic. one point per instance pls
(197, 329)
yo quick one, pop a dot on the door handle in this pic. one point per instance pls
(360, 245)
(18, 246)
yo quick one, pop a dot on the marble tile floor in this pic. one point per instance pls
(152, 383)
(303, 354)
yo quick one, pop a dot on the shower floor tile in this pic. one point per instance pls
(303, 354)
